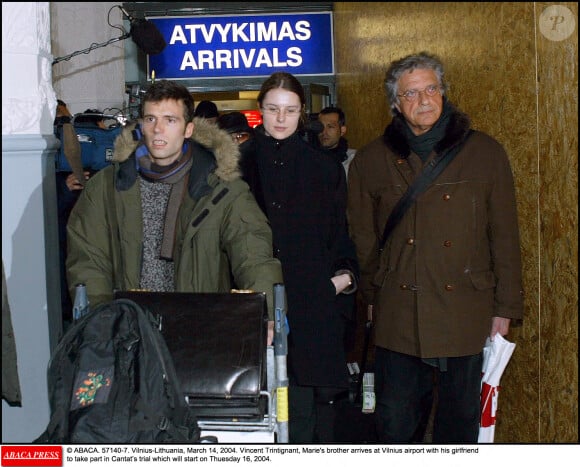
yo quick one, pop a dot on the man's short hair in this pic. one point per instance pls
(206, 109)
(234, 122)
(334, 110)
(423, 61)
(169, 90)
(90, 117)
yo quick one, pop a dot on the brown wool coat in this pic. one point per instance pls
(453, 262)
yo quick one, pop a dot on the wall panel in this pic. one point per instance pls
(495, 59)
(558, 203)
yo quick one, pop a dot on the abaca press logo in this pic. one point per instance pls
(32, 456)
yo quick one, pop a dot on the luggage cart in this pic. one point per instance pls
(263, 431)
(273, 428)
(269, 424)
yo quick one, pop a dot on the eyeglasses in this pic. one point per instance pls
(412, 94)
(240, 137)
(275, 110)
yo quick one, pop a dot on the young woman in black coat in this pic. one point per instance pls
(303, 192)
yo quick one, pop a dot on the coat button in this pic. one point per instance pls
(449, 287)
(446, 197)
(404, 287)
(447, 243)
(410, 241)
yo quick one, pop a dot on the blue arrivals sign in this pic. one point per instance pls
(244, 45)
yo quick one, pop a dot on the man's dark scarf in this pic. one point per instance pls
(422, 145)
(339, 152)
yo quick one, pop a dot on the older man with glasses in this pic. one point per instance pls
(449, 275)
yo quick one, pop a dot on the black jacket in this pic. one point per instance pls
(303, 192)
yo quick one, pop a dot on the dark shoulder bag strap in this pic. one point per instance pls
(419, 185)
(427, 176)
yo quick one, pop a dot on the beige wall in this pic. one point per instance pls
(520, 87)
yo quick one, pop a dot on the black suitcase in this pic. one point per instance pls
(218, 344)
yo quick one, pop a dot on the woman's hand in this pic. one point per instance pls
(341, 282)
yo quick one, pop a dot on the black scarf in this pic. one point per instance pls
(339, 152)
(422, 145)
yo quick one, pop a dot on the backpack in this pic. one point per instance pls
(111, 379)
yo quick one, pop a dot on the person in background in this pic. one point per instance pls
(90, 118)
(449, 275)
(63, 115)
(67, 191)
(236, 124)
(332, 140)
(171, 214)
(332, 136)
(304, 195)
(207, 110)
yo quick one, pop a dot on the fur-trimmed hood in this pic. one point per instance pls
(206, 134)
(395, 133)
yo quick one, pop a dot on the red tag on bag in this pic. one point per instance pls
(488, 404)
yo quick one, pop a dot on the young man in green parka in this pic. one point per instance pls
(171, 213)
